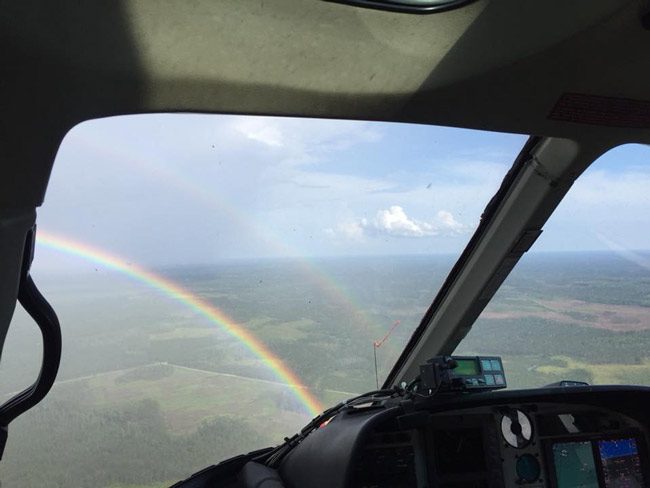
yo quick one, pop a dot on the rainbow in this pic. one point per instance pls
(189, 299)
(624, 252)
(176, 179)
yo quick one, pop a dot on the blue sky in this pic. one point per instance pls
(173, 189)
(608, 207)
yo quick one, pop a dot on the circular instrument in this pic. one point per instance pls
(528, 468)
(516, 428)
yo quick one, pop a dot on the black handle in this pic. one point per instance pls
(43, 314)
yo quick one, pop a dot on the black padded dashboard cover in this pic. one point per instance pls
(326, 458)
(255, 475)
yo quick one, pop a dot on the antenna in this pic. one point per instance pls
(377, 344)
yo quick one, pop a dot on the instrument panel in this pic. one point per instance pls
(534, 445)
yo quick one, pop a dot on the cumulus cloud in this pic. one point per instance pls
(450, 223)
(395, 222)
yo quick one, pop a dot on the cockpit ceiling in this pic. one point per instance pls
(498, 65)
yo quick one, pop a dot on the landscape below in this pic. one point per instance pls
(149, 391)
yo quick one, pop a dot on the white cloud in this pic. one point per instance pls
(299, 142)
(450, 223)
(607, 188)
(395, 222)
(266, 131)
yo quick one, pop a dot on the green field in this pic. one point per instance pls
(149, 391)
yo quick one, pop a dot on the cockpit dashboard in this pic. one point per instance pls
(554, 437)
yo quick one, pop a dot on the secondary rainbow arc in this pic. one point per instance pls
(205, 309)
(181, 182)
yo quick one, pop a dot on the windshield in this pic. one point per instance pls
(220, 279)
(577, 306)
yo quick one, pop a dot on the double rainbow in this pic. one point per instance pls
(166, 174)
(192, 301)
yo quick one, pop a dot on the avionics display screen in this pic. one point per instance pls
(610, 463)
(467, 367)
(621, 463)
(575, 465)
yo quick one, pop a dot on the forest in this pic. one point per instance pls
(150, 390)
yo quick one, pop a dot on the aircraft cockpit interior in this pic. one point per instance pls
(223, 221)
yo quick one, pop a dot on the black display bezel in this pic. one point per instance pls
(593, 439)
(490, 440)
